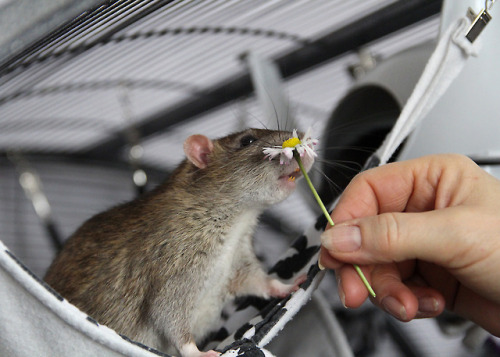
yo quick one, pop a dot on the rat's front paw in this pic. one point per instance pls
(281, 290)
(210, 353)
(190, 350)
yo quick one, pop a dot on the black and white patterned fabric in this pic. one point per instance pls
(270, 319)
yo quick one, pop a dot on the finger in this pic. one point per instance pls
(392, 295)
(390, 188)
(478, 309)
(326, 261)
(440, 237)
(352, 291)
(405, 299)
(430, 302)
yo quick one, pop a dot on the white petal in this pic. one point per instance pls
(310, 151)
(288, 152)
(272, 152)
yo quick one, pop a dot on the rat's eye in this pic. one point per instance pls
(247, 140)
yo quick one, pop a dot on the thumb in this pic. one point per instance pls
(394, 237)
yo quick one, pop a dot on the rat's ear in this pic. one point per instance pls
(197, 148)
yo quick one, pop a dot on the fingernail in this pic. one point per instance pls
(395, 308)
(343, 239)
(340, 290)
(321, 266)
(428, 305)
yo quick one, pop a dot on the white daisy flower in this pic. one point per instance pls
(304, 146)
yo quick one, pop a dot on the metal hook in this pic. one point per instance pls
(491, 2)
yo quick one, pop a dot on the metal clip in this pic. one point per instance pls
(479, 22)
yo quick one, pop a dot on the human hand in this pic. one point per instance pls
(427, 234)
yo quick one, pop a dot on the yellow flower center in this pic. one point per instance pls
(291, 143)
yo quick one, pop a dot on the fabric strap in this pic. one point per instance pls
(444, 65)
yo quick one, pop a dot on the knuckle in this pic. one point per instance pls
(391, 232)
(459, 160)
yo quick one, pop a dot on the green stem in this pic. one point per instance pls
(327, 215)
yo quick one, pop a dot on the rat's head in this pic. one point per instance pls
(236, 165)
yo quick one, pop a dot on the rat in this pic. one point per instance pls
(160, 268)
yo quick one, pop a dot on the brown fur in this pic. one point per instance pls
(145, 268)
